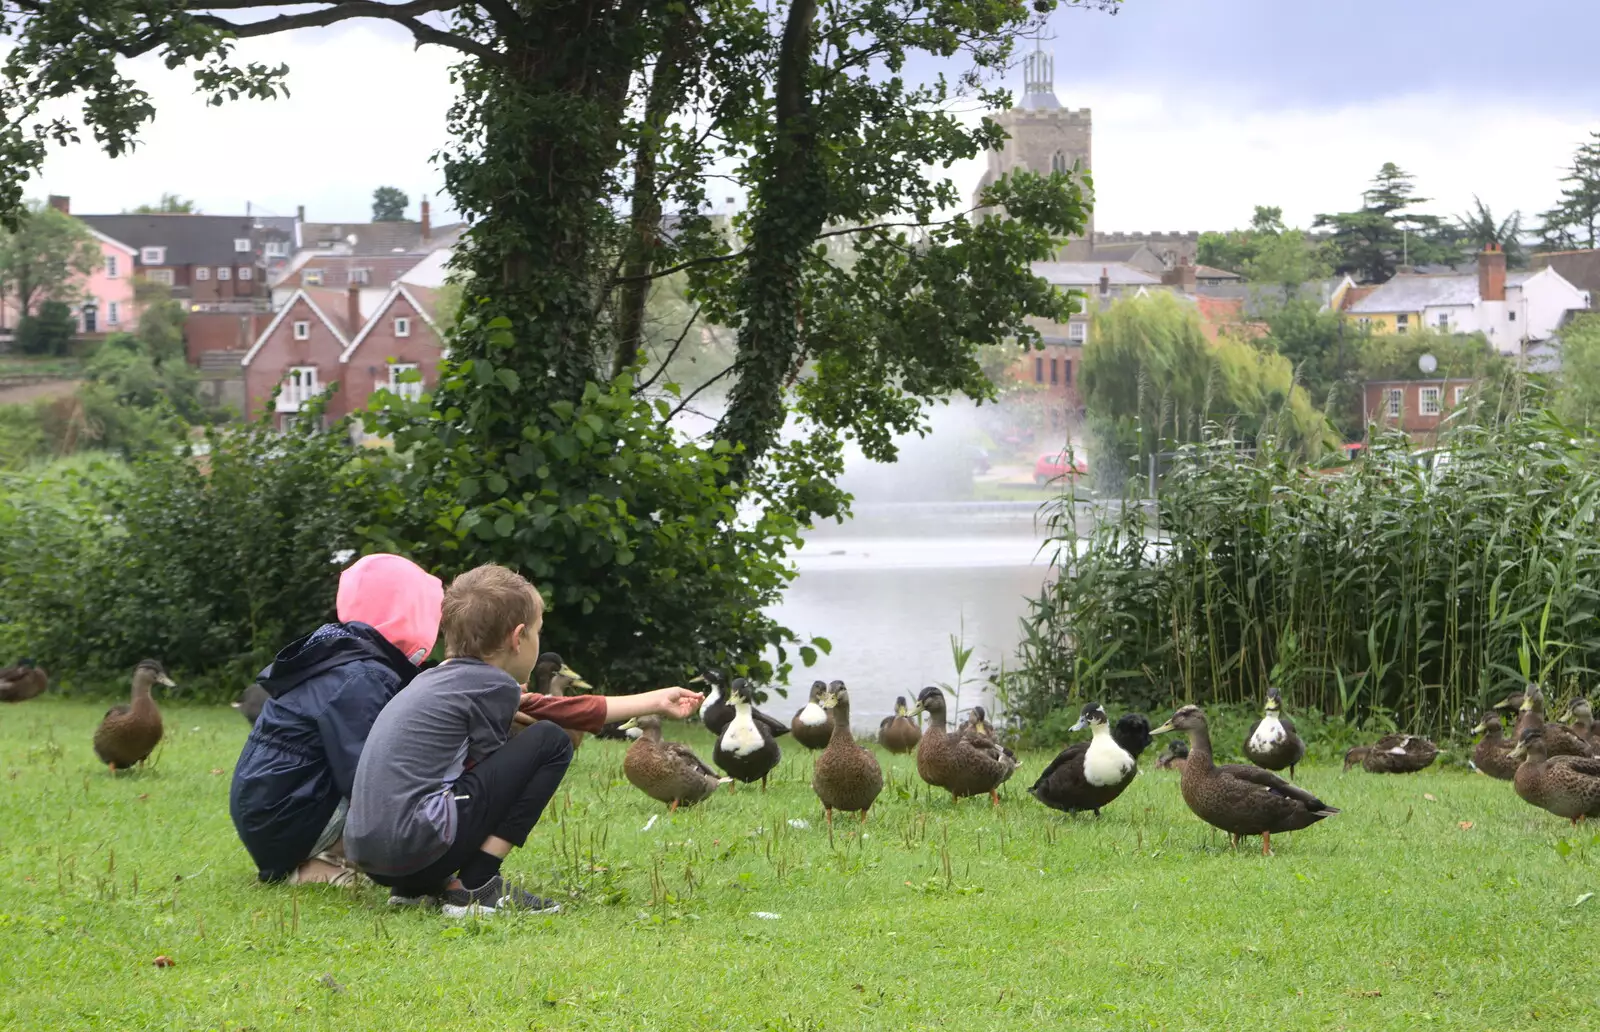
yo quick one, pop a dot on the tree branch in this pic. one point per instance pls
(404, 14)
(670, 354)
(696, 392)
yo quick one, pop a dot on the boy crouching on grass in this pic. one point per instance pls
(443, 792)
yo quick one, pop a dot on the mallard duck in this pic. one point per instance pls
(668, 772)
(960, 763)
(1558, 740)
(1567, 786)
(1579, 719)
(1174, 756)
(746, 750)
(1239, 799)
(1511, 705)
(899, 734)
(1492, 755)
(22, 682)
(130, 733)
(810, 726)
(1272, 742)
(1393, 754)
(847, 776)
(717, 709)
(250, 702)
(977, 723)
(552, 676)
(1089, 775)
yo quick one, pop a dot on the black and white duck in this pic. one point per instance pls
(746, 750)
(812, 725)
(1272, 742)
(1090, 775)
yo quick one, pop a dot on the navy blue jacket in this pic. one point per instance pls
(300, 759)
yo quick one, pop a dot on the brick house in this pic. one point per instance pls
(370, 255)
(1416, 407)
(320, 338)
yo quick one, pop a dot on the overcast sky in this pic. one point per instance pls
(1202, 109)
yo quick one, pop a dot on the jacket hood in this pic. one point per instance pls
(329, 646)
(395, 596)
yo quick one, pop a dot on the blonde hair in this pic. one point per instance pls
(483, 606)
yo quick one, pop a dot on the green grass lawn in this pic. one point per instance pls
(1393, 915)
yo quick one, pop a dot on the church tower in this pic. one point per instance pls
(1044, 136)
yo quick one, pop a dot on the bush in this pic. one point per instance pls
(1384, 592)
(48, 332)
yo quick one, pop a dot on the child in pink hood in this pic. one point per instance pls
(291, 787)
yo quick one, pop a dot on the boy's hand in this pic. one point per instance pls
(676, 703)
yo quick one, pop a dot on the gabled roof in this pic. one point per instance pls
(1414, 293)
(398, 291)
(193, 239)
(372, 239)
(1084, 274)
(107, 240)
(283, 313)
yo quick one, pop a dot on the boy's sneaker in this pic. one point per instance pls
(495, 895)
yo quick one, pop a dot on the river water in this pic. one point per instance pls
(890, 587)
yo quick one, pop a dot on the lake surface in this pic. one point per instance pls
(891, 586)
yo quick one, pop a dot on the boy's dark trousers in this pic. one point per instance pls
(503, 796)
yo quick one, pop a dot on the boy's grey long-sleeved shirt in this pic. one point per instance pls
(403, 809)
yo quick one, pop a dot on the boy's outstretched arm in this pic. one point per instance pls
(673, 703)
(592, 712)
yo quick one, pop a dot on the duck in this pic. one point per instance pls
(1174, 756)
(1239, 798)
(899, 734)
(1558, 740)
(810, 725)
(251, 701)
(847, 776)
(1272, 742)
(552, 676)
(960, 763)
(717, 710)
(977, 723)
(1510, 705)
(746, 750)
(1579, 719)
(1492, 755)
(668, 772)
(1089, 775)
(24, 681)
(129, 734)
(1567, 786)
(1393, 754)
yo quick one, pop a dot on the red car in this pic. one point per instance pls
(1055, 466)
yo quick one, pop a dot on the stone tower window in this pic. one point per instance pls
(1058, 162)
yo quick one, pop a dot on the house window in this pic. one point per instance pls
(1402, 323)
(1428, 401)
(112, 315)
(111, 266)
(1364, 322)
(302, 330)
(224, 273)
(1038, 370)
(153, 255)
(299, 387)
(311, 278)
(277, 249)
(1397, 403)
(1077, 332)
(161, 276)
(1066, 371)
(1511, 315)
(1458, 395)
(361, 276)
(1444, 320)
(246, 273)
(201, 273)
(1055, 371)
(409, 389)
(241, 246)
(402, 327)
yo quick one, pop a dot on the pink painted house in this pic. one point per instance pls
(108, 304)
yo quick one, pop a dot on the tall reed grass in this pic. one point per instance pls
(1384, 591)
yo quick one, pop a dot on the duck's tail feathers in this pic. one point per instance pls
(1326, 811)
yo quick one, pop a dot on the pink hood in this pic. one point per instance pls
(397, 597)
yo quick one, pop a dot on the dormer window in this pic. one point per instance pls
(241, 245)
(153, 255)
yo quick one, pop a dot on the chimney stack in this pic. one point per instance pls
(61, 204)
(1183, 276)
(427, 221)
(1492, 274)
(1105, 280)
(353, 319)
(300, 213)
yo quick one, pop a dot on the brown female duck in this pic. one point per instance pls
(1272, 742)
(668, 772)
(1090, 775)
(1492, 755)
(552, 676)
(847, 776)
(746, 750)
(1393, 754)
(1567, 786)
(1579, 719)
(1174, 756)
(22, 682)
(899, 734)
(960, 763)
(130, 733)
(1239, 799)
(1558, 740)
(811, 725)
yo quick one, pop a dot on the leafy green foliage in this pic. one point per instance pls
(389, 204)
(1387, 587)
(45, 256)
(1479, 229)
(49, 331)
(170, 204)
(1572, 222)
(1384, 233)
